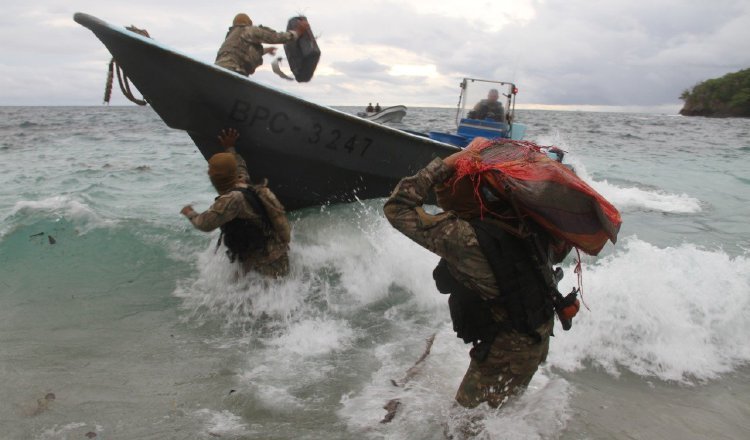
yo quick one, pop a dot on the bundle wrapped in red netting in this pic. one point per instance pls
(544, 189)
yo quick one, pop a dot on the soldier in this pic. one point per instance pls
(253, 223)
(242, 50)
(489, 108)
(498, 300)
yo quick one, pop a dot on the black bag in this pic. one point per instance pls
(302, 54)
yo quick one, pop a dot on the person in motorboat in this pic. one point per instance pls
(490, 108)
(253, 223)
(377, 108)
(242, 50)
(369, 108)
(498, 299)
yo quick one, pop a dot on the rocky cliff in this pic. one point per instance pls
(728, 96)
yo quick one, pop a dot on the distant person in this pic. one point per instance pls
(242, 50)
(254, 227)
(377, 107)
(490, 108)
(369, 108)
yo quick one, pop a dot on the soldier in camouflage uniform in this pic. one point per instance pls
(229, 175)
(513, 356)
(242, 50)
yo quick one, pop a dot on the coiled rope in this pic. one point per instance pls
(122, 78)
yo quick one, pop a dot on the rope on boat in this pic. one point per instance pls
(122, 78)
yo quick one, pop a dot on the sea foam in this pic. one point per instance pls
(676, 313)
(633, 198)
(70, 208)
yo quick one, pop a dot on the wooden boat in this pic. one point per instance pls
(310, 153)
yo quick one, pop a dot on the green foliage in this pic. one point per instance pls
(725, 96)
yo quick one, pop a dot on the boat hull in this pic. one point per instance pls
(311, 154)
(388, 114)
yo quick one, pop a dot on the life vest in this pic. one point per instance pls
(244, 237)
(521, 289)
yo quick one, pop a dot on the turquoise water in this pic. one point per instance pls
(111, 301)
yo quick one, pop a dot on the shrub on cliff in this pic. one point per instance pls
(725, 96)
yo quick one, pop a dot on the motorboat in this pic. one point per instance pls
(469, 125)
(389, 114)
(311, 154)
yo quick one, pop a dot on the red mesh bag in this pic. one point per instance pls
(544, 189)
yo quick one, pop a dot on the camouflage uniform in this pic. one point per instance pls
(242, 50)
(514, 357)
(273, 259)
(485, 108)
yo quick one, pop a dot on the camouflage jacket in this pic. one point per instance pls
(242, 50)
(444, 234)
(232, 204)
(486, 108)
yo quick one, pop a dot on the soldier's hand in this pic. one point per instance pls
(302, 27)
(187, 210)
(228, 137)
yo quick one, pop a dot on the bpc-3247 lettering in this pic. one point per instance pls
(279, 122)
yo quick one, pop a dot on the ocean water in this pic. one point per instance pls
(112, 302)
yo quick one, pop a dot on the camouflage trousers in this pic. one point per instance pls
(512, 362)
(274, 269)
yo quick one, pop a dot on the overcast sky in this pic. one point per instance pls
(581, 54)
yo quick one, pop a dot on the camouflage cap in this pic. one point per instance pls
(222, 170)
(242, 19)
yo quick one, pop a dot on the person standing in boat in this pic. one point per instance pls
(497, 300)
(490, 108)
(254, 227)
(377, 107)
(369, 108)
(242, 50)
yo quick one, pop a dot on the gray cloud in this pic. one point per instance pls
(574, 52)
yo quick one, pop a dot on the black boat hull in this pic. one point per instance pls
(311, 154)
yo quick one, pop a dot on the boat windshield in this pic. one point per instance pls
(474, 90)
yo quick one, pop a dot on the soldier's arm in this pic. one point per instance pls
(444, 234)
(270, 36)
(276, 214)
(224, 209)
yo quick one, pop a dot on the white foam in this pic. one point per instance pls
(57, 432)
(677, 313)
(222, 423)
(358, 243)
(314, 337)
(342, 262)
(218, 291)
(427, 407)
(541, 412)
(632, 197)
(67, 207)
(57, 204)
(628, 198)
